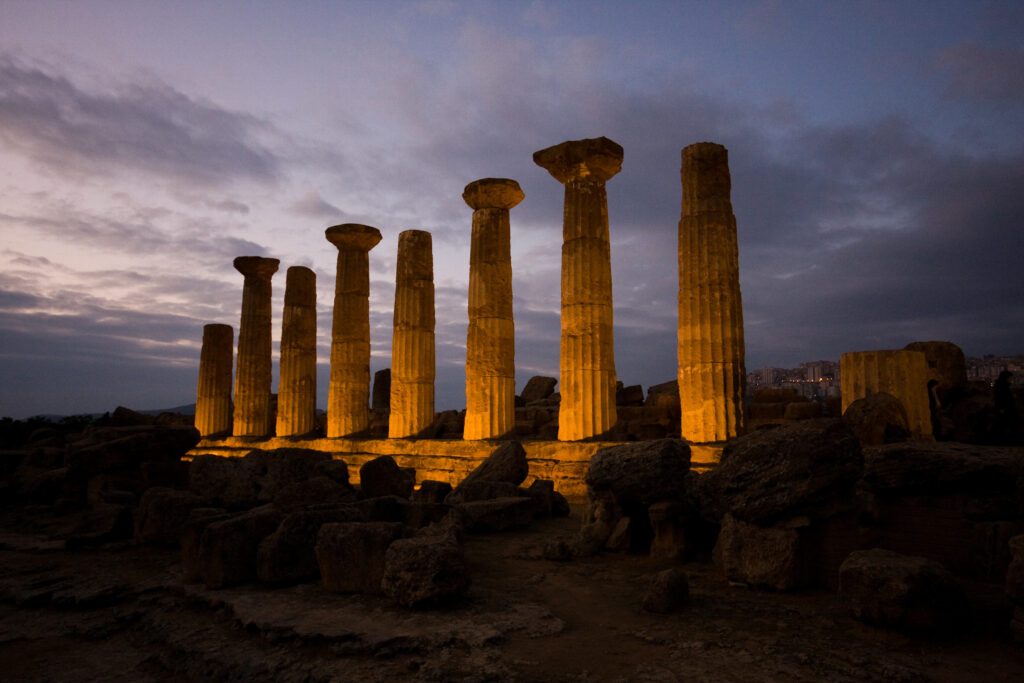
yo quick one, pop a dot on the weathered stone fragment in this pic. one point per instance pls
(642, 472)
(538, 388)
(320, 490)
(162, 515)
(904, 374)
(288, 555)
(213, 396)
(227, 549)
(901, 592)
(877, 419)
(431, 491)
(412, 346)
(191, 536)
(349, 389)
(490, 341)
(296, 395)
(253, 374)
(760, 556)
(587, 352)
(668, 591)
(712, 374)
(424, 571)
(482, 489)
(507, 463)
(383, 477)
(497, 514)
(351, 555)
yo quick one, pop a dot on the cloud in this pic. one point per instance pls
(312, 205)
(150, 128)
(993, 74)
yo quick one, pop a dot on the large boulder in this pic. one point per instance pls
(383, 477)
(316, 491)
(224, 482)
(498, 514)
(227, 549)
(259, 477)
(538, 388)
(760, 556)
(507, 463)
(806, 468)
(289, 554)
(644, 472)
(424, 570)
(481, 489)
(162, 515)
(351, 555)
(877, 419)
(901, 592)
(191, 537)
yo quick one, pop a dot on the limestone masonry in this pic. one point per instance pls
(252, 377)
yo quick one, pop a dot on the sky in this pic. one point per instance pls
(876, 152)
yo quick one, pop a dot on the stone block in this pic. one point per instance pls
(351, 555)
(498, 514)
(383, 477)
(422, 571)
(289, 554)
(227, 549)
(162, 514)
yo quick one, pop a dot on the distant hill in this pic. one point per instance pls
(189, 409)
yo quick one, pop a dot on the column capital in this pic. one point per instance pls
(353, 236)
(256, 266)
(492, 193)
(600, 158)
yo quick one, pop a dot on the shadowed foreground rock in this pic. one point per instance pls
(424, 570)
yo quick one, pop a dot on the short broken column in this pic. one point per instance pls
(412, 345)
(348, 399)
(490, 340)
(587, 353)
(253, 374)
(904, 374)
(213, 395)
(296, 391)
(712, 373)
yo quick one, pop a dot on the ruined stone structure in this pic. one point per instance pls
(296, 393)
(587, 353)
(712, 373)
(904, 374)
(490, 340)
(213, 396)
(946, 362)
(412, 346)
(348, 397)
(253, 374)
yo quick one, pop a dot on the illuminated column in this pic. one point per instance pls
(904, 374)
(252, 376)
(348, 400)
(213, 396)
(712, 374)
(490, 341)
(296, 391)
(587, 353)
(412, 346)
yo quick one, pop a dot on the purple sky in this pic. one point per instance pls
(876, 148)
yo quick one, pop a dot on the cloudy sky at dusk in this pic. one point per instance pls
(876, 149)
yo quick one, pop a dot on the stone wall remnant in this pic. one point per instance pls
(348, 397)
(412, 347)
(296, 393)
(490, 339)
(712, 373)
(253, 374)
(587, 353)
(213, 396)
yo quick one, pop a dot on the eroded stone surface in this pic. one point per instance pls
(296, 395)
(253, 375)
(412, 346)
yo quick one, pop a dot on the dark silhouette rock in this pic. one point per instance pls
(759, 556)
(162, 514)
(315, 491)
(481, 489)
(498, 514)
(668, 591)
(507, 463)
(422, 571)
(643, 472)
(289, 554)
(384, 508)
(538, 388)
(896, 591)
(431, 491)
(191, 537)
(351, 555)
(629, 396)
(227, 549)
(878, 419)
(383, 477)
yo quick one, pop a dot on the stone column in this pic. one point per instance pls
(490, 340)
(213, 396)
(712, 373)
(296, 391)
(412, 346)
(348, 400)
(587, 353)
(252, 376)
(904, 374)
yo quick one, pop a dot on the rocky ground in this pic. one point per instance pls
(121, 612)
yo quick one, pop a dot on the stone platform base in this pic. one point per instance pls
(450, 460)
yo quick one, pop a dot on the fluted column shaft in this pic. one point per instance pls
(904, 374)
(490, 339)
(213, 395)
(296, 392)
(712, 373)
(253, 374)
(587, 351)
(348, 398)
(412, 346)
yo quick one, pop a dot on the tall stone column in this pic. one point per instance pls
(904, 374)
(587, 352)
(490, 340)
(712, 373)
(213, 396)
(412, 346)
(252, 376)
(296, 391)
(348, 400)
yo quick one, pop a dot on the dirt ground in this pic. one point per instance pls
(121, 613)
